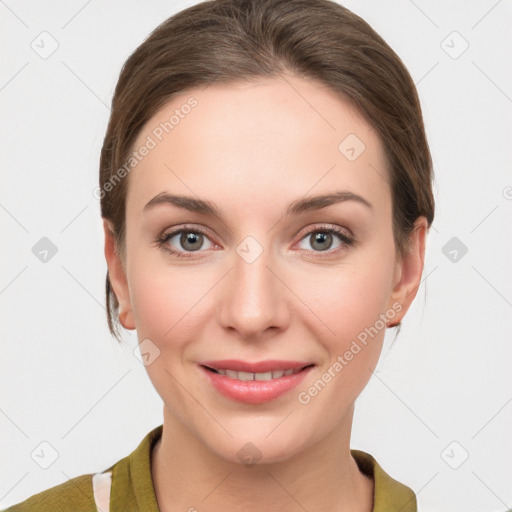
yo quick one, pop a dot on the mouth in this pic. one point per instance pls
(259, 376)
(255, 383)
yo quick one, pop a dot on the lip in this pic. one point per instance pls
(257, 367)
(256, 392)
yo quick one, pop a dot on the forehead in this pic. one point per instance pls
(264, 139)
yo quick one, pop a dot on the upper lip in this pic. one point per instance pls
(256, 367)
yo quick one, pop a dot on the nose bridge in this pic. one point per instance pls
(252, 300)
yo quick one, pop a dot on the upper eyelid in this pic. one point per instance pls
(325, 227)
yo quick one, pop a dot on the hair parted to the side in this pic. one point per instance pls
(222, 41)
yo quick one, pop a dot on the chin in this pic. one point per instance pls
(258, 449)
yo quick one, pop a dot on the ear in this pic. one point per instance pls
(117, 276)
(409, 269)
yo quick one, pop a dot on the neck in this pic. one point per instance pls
(187, 475)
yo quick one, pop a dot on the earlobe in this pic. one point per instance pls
(117, 277)
(409, 270)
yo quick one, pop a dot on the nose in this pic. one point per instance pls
(253, 298)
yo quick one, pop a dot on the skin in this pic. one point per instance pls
(252, 148)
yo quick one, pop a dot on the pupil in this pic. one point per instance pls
(322, 237)
(191, 238)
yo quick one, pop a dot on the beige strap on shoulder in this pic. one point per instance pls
(101, 483)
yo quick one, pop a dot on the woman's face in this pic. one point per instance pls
(263, 278)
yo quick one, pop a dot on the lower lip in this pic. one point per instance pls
(255, 391)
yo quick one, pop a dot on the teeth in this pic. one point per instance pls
(246, 376)
(263, 376)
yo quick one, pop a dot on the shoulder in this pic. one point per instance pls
(129, 478)
(74, 495)
(388, 493)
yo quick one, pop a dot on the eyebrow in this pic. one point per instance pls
(297, 207)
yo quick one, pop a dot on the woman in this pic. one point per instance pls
(265, 186)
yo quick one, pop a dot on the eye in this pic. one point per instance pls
(185, 241)
(321, 239)
(181, 241)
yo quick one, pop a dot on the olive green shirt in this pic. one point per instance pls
(132, 487)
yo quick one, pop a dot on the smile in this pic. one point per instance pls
(246, 376)
(267, 381)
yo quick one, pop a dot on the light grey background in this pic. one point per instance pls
(442, 393)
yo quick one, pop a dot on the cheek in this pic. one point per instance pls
(162, 302)
(152, 289)
(355, 312)
(356, 298)
(168, 301)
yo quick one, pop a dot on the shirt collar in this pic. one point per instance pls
(132, 481)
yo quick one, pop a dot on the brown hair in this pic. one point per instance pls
(221, 41)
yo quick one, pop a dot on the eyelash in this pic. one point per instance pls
(162, 240)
